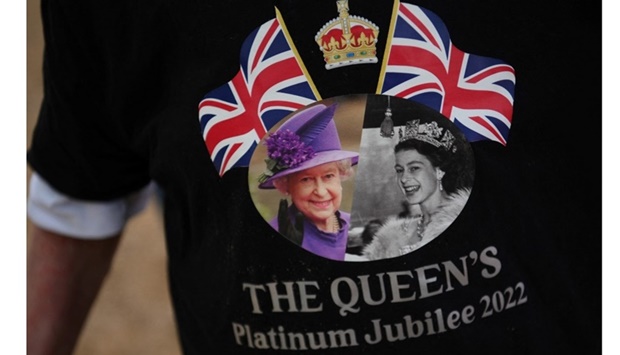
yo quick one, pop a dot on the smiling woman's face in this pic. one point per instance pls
(416, 176)
(317, 192)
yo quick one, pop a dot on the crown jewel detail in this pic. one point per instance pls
(430, 133)
(347, 39)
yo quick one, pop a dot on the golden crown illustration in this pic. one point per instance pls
(347, 40)
(430, 133)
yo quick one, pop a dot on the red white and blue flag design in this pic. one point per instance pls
(270, 85)
(423, 65)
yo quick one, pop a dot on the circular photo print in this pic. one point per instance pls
(362, 178)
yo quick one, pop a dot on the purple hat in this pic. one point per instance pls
(306, 140)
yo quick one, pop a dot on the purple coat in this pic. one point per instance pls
(328, 245)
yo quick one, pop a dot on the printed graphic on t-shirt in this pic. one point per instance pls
(382, 177)
(362, 177)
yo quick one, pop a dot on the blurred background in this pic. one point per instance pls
(132, 314)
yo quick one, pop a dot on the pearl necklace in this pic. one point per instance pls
(420, 227)
(335, 227)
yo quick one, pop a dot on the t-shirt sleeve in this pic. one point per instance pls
(59, 213)
(102, 86)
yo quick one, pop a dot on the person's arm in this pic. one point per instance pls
(64, 277)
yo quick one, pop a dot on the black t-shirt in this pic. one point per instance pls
(518, 272)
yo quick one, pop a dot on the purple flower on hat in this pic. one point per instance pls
(308, 139)
(285, 150)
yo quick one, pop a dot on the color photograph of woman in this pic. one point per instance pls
(306, 166)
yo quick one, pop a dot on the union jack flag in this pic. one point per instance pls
(269, 85)
(423, 65)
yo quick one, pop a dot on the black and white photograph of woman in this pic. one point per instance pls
(415, 176)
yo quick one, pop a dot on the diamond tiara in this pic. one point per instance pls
(430, 133)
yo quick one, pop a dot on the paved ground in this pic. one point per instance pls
(132, 315)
